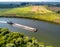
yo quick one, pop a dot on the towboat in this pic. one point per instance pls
(22, 26)
(10, 23)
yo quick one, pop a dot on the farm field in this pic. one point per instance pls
(34, 12)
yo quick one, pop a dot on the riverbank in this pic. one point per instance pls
(53, 22)
(32, 12)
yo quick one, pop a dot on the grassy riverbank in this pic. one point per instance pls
(32, 12)
(17, 39)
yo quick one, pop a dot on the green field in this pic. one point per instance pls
(34, 12)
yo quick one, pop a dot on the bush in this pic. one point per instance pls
(15, 39)
(58, 11)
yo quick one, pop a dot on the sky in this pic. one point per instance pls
(29, 0)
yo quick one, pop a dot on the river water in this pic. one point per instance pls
(47, 32)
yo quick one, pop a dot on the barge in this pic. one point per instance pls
(23, 26)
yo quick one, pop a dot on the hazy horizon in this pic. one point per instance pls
(29, 0)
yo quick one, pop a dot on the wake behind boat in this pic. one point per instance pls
(20, 26)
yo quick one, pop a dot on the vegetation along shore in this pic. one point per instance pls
(42, 13)
(17, 39)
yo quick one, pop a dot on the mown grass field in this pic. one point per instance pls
(34, 12)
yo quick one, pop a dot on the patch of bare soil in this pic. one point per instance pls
(54, 8)
(35, 8)
(57, 20)
(39, 9)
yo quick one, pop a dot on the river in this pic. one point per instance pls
(47, 32)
